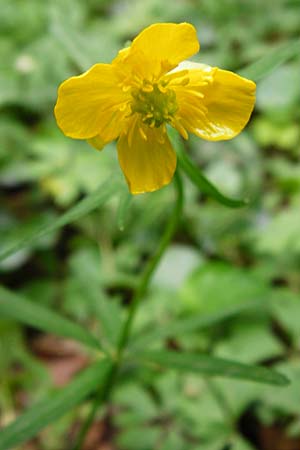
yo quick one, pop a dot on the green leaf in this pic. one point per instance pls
(85, 266)
(210, 365)
(280, 235)
(282, 403)
(15, 307)
(199, 180)
(239, 443)
(224, 285)
(285, 308)
(253, 339)
(24, 237)
(73, 43)
(190, 324)
(54, 406)
(271, 61)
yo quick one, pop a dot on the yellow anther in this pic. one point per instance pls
(126, 87)
(142, 133)
(174, 75)
(198, 94)
(162, 88)
(147, 88)
(184, 81)
(123, 107)
(180, 128)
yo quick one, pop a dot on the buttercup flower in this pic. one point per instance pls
(146, 87)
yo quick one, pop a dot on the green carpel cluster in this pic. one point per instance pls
(155, 103)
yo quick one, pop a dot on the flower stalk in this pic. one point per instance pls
(106, 389)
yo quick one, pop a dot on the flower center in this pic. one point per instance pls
(155, 102)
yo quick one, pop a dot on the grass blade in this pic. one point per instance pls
(15, 307)
(210, 365)
(189, 324)
(54, 406)
(265, 65)
(23, 237)
(198, 179)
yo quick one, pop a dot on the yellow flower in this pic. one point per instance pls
(146, 87)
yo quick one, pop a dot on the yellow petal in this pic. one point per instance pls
(159, 48)
(146, 157)
(91, 104)
(122, 55)
(216, 104)
(97, 142)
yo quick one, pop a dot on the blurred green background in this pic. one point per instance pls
(220, 258)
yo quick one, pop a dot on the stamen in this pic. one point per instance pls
(142, 133)
(197, 94)
(137, 79)
(174, 75)
(131, 131)
(147, 87)
(126, 88)
(124, 106)
(162, 88)
(199, 109)
(180, 128)
(184, 81)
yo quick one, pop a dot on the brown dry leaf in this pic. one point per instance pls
(63, 357)
(275, 438)
(47, 345)
(99, 436)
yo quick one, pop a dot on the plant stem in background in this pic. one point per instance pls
(222, 402)
(106, 389)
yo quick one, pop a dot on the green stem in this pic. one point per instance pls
(152, 264)
(106, 389)
(222, 402)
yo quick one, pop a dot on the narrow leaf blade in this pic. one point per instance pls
(54, 406)
(198, 179)
(271, 61)
(72, 42)
(25, 237)
(15, 307)
(106, 311)
(186, 325)
(213, 366)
